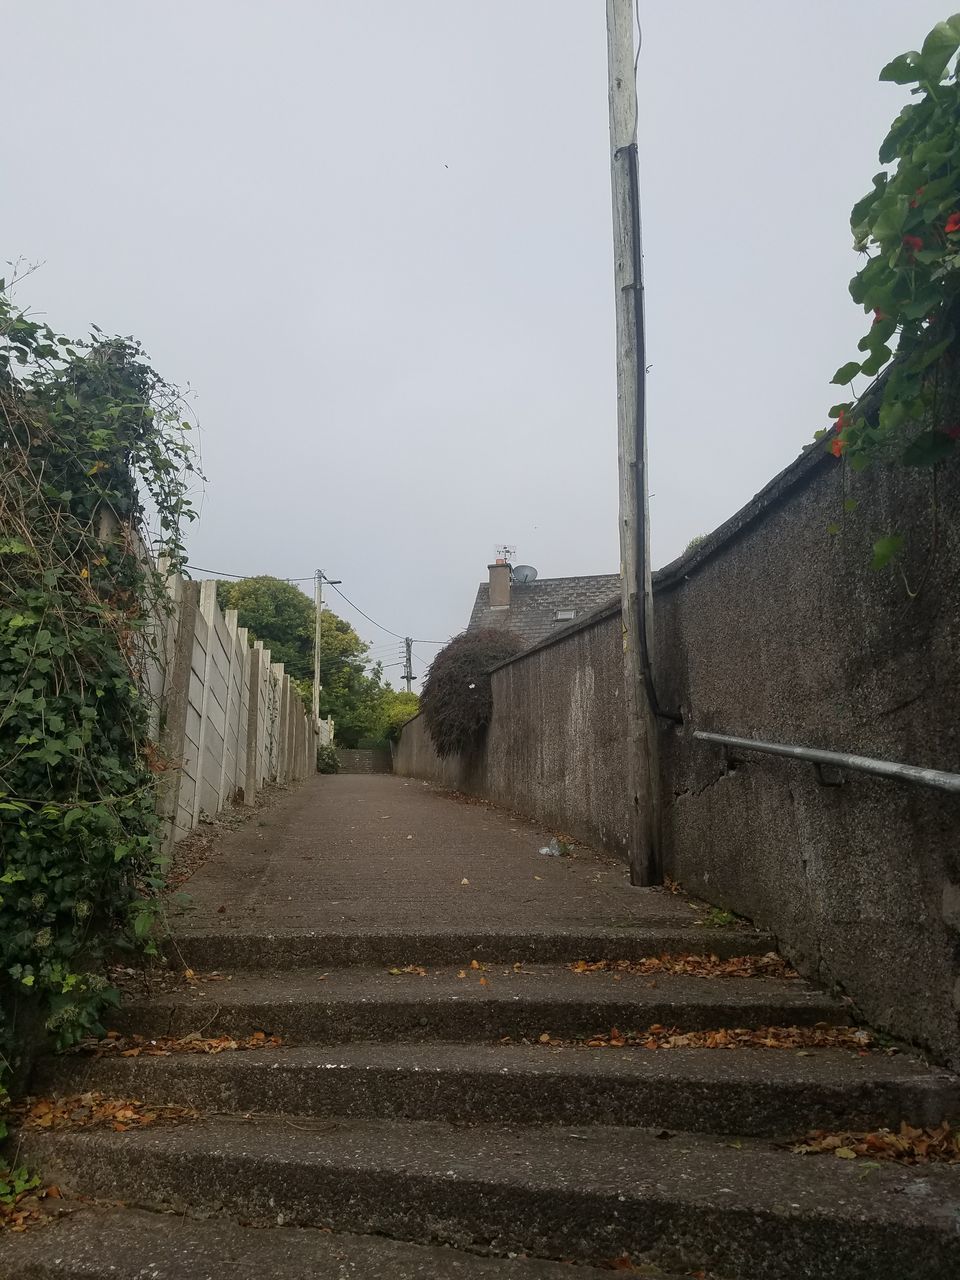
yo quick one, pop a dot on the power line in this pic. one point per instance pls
(219, 573)
(379, 625)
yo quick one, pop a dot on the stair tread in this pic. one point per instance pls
(540, 982)
(128, 1244)
(619, 1166)
(748, 1091)
(252, 945)
(830, 1067)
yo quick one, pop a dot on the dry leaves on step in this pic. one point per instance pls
(95, 1110)
(133, 1046)
(409, 968)
(659, 1037)
(699, 966)
(906, 1145)
(21, 1199)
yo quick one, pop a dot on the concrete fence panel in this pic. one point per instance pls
(228, 719)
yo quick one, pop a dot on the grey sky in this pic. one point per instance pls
(375, 238)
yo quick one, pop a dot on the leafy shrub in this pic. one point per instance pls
(328, 761)
(457, 701)
(908, 230)
(88, 434)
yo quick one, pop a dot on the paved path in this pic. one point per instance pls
(382, 852)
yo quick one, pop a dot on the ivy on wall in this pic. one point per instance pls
(92, 443)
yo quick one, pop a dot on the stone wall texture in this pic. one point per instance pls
(776, 627)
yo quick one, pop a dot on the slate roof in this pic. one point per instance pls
(532, 614)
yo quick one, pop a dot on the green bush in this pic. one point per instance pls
(457, 700)
(328, 761)
(89, 435)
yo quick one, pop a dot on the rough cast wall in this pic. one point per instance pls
(775, 628)
(554, 749)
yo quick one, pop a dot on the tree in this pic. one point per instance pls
(397, 707)
(279, 614)
(348, 692)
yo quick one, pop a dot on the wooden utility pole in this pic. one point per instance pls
(319, 578)
(408, 663)
(318, 606)
(636, 589)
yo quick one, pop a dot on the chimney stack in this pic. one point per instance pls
(499, 584)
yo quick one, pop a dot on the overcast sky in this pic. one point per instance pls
(375, 239)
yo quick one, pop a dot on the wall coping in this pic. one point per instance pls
(814, 459)
(800, 471)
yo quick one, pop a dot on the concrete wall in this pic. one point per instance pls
(555, 746)
(227, 716)
(774, 627)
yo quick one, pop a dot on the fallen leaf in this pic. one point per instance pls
(464, 880)
(701, 966)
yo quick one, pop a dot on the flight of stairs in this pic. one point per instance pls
(454, 1124)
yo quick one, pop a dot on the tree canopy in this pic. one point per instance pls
(279, 614)
(351, 691)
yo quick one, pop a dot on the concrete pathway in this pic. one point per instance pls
(387, 853)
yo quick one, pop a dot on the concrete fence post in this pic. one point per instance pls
(254, 735)
(208, 606)
(176, 698)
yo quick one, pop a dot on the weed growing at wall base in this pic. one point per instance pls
(91, 439)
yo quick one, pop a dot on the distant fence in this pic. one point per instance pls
(229, 719)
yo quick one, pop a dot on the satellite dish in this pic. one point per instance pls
(524, 573)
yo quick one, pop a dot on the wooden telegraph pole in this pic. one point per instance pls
(636, 589)
(317, 623)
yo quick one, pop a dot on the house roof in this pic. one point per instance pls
(534, 606)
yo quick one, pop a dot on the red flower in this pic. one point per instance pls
(953, 224)
(913, 202)
(841, 422)
(837, 447)
(879, 315)
(913, 243)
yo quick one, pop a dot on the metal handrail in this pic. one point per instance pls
(841, 759)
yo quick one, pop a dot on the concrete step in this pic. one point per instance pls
(130, 1244)
(751, 1092)
(686, 1202)
(626, 940)
(371, 1004)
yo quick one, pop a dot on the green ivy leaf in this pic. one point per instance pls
(902, 70)
(875, 362)
(886, 549)
(938, 48)
(846, 373)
